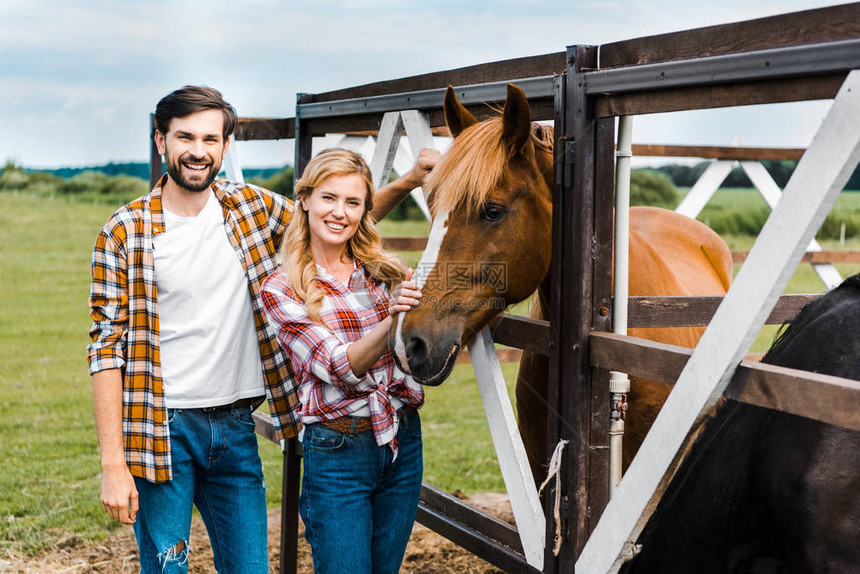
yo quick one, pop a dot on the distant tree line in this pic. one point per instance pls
(127, 180)
(657, 187)
(780, 171)
(130, 180)
(141, 169)
(83, 182)
(276, 178)
(133, 169)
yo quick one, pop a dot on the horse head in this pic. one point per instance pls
(490, 242)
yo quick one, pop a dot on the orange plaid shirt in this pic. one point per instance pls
(124, 309)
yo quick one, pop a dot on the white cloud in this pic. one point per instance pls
(75, 76)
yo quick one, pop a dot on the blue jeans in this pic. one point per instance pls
(216, 466)
(357, 504)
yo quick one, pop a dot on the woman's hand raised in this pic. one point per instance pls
(405, 296)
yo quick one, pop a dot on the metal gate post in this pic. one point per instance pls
(579, 303)
(292, 448)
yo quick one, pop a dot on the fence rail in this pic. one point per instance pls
(831, 256)
(833, 400)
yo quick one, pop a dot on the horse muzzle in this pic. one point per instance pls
(429, 359)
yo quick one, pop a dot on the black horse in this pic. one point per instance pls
(766, 491)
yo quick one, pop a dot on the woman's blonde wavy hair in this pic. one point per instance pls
(365, 245)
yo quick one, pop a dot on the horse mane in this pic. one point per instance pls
(808, 313)
(475, 165)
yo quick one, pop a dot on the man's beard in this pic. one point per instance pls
(198, 184)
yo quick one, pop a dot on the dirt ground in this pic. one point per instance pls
(427, 551)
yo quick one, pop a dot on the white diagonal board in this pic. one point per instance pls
(510, 450)
(386, 147)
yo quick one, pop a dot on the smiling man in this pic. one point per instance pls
(181, 353)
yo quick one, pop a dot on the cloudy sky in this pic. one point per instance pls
(79, 79)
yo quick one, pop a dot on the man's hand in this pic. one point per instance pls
(427, 159)
(119, 495)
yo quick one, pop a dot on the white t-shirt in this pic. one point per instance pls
(209, 350)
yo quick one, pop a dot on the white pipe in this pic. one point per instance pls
(232, 167)
(619, 384)
(622, 223)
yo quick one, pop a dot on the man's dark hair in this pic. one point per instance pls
(190, 99)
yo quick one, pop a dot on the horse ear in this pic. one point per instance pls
(457, 116)
(516, 120)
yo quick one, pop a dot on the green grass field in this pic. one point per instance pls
(804, 279)
(49, 463)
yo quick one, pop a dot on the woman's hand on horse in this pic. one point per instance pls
(405, 296)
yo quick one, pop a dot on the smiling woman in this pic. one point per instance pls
(334, 212)
(331, 306)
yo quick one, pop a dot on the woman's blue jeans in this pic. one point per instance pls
(216, 466)
(358, 505)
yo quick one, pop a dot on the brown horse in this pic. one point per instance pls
(490, 247)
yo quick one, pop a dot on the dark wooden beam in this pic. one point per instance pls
(484, 535)
(534, 335)
(697, 311)
(575, 287)
(718, 152)
(263, 426)
(265, 129)
(471, 516)
(290, 506)
(540, 110)
(504, 356)
(601, 243)
(794, 29)
(525, 333)
(841, 256)
(832, 400)
(517, 68)
(404, 243)
(707, 97)
(832, 256)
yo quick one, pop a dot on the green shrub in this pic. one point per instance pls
(736, 221)
(832, 226)
(92, 181)
(406, 210)
(280, 183)
(43, 179)
(124, 185)
(648, 187)
(13, 180)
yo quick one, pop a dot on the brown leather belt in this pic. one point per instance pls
(247, 402)
(357, 425)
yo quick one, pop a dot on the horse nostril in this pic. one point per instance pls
(416, 351)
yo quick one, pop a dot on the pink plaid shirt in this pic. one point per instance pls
(328, 388)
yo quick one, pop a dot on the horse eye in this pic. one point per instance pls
(493, 212)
